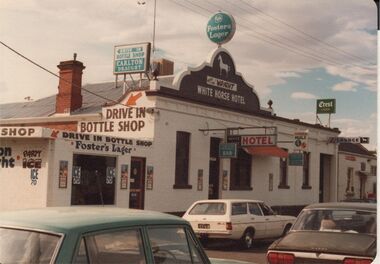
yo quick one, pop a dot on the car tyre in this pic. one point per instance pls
(247, 239)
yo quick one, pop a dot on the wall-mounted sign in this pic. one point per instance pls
(34, 176)
(221, 28)
(110, 175)
(227, 150)
(63, 171)
(337, 140)
(326, 106)
(350, 158)
(149, 177)
(258, 140)
(6, 158)
(133, 58)
(295, 159)
(77, 172)
(124, 177)
(200, 180)
(301, 140)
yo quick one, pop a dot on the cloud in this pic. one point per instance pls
(302, 95)
(287, 75)
(345, 86)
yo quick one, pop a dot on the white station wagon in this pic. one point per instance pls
(243, 220)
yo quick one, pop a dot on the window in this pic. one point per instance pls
(374, 170)
(283, 173)
(238, 208)
(362, 166)
(254, 209)
(122, 246)
(350, 181)
(241, 171)
(266, 209)
(173, 245)
(182, 161)
(306, 170)
(209, 209)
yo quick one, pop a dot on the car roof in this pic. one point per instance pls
(83, 219)
(227, 200)
(344, 205)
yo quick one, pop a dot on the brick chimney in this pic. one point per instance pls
(69, 97)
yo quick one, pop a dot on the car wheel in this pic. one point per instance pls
(247, 239)
(286, 230)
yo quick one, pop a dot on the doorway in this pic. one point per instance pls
(137, 183)
(325, 182)
(93, 180)
(213, 178)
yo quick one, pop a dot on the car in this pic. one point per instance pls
(329, 233)
(236, 219)
(98, 235)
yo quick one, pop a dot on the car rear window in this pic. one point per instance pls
(24, 246)
(208, 209)
(337, 220)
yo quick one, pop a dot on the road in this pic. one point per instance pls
(231, 250)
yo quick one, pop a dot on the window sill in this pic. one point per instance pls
(283, 187)
(306, 187)
(240, 188)
(187, 186)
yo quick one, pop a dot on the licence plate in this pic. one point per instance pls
(204, 226)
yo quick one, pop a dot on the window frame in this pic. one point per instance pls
(242, 159)
(306, 170)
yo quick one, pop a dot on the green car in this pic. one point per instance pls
(98, 235)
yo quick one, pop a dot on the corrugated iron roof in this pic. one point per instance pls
(355, 148)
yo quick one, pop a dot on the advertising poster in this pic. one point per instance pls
(110, 176)
(225, 180)
(63, 169)
(149, 178)
(124, 177)
(200, 180)
(77, 174)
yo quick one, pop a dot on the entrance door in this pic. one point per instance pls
(326, 191)
(136, 195)
(213, 178)
(93, 180)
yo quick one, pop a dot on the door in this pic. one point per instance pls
(137, 183)
(273, 224)
(213, 178)
(257, 220)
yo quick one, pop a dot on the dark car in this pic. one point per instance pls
(329, 233)
(86, 235)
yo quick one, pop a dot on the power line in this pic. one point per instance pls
(306, 34)
(56, 75)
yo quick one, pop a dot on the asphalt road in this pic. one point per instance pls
(231, 250)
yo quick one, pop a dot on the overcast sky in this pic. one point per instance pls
(292, 51)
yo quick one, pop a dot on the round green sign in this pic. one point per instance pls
(221, 28)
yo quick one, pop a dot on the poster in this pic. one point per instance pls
(62, 178)
(77, 175)
(225, 180)
(124, 177)
(149, 178)
(200, 180)
(110, 176)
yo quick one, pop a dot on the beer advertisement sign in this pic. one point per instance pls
(326, 106)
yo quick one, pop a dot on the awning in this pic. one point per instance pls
(267, 151)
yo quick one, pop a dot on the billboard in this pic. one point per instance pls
(131, 58)
(326, 106)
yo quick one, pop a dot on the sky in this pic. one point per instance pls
(293, 51)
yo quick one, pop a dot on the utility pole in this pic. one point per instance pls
(377, 8)
(154, 26)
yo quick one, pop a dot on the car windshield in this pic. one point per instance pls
(208, 209)
(23, 246)
(336, 220)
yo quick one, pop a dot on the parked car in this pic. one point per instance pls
(329, 233)
(98, 235)
(243, 220)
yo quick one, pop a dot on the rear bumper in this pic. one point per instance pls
(215, 234)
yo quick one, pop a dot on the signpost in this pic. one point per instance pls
(221, 28)
(337, 140)
(301, 140)
(227, 150)
(133, 58)
(295, 159)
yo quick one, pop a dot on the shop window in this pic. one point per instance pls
(283, 173)
(182, 161)
(306, 171)
(241, 171)
(362, 166)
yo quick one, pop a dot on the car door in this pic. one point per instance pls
(257, 220)
(239, 218)
(274, 224)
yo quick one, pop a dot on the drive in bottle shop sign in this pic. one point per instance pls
(133, 58)
(326, 106)
(221, 28)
